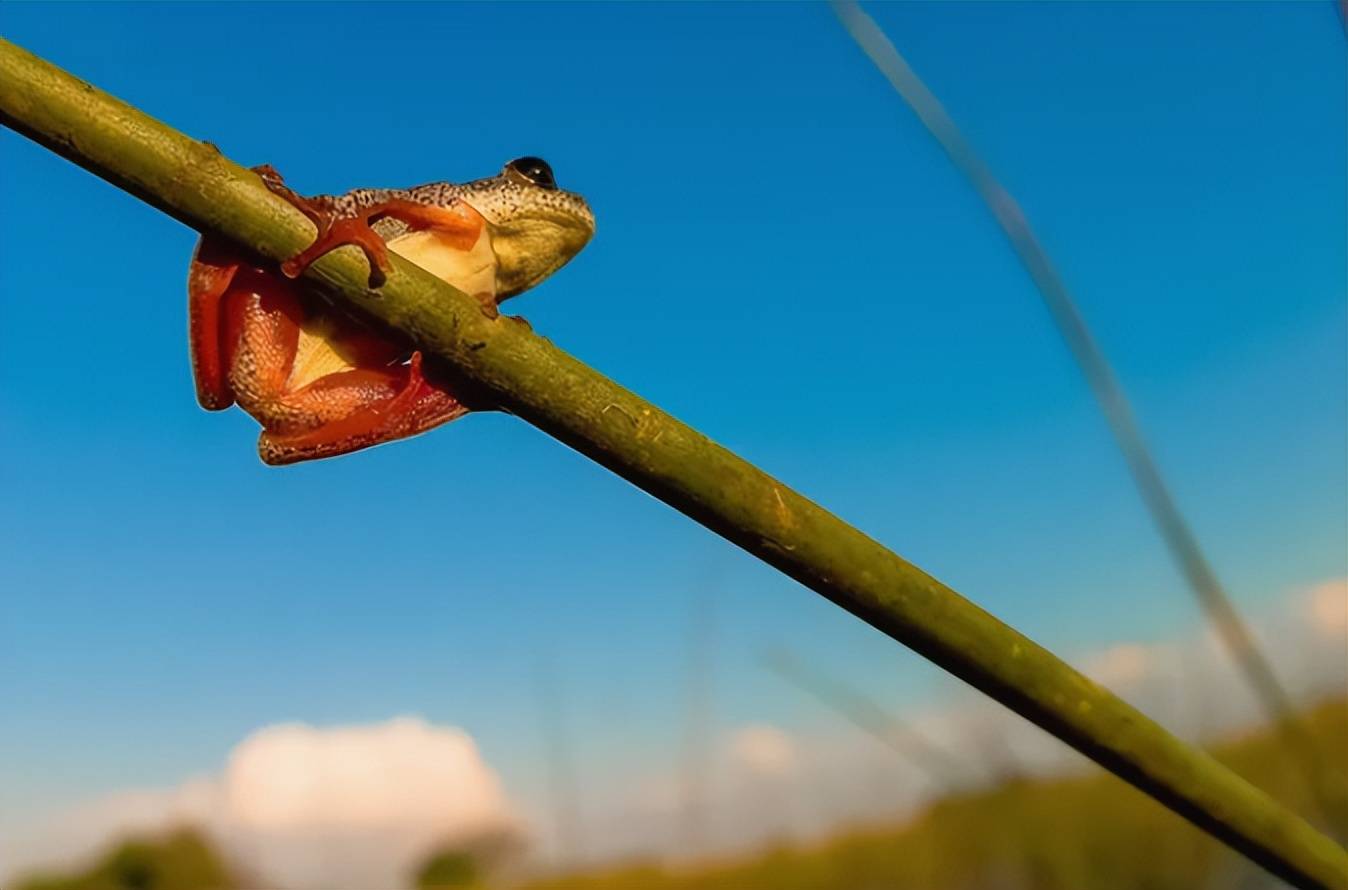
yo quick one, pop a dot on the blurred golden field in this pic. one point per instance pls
(1024, 834)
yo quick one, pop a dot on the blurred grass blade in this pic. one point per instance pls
(698, 725)
(562, 786)
(543, 385)
(1179, 538)
(942, 770)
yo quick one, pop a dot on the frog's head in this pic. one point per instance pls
(535, 227)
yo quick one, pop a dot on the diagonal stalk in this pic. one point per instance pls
(1325, 784)
(193, 182)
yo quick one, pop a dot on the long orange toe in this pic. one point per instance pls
(332, 233)
(353, 230)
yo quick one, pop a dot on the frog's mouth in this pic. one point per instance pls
(531, 246)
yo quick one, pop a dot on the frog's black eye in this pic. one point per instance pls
(536, 170)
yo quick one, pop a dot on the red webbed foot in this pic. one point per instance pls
(377, 406)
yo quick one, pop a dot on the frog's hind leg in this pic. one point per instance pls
(367, 396)
(350, 410)
(214, 266)
(244, 329)
(319, 386)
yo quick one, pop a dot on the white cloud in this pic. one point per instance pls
(1121, 665)
(1192, 685)
(355, 807)
(769, 783)
(764, 750)
(306, 808)
(1327, 605)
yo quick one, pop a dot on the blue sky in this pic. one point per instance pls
(784, 259)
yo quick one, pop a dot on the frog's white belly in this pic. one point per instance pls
(471, 271)
(315, 355)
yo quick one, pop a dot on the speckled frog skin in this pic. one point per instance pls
(323, 384)
(533, 227)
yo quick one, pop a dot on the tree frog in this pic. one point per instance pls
(320, 382)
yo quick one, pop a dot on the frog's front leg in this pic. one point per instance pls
(457, 224)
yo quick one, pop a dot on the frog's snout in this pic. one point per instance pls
(586, 218)
(536, 226)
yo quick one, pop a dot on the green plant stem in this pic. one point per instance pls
(1325, 783)
(533, 379)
